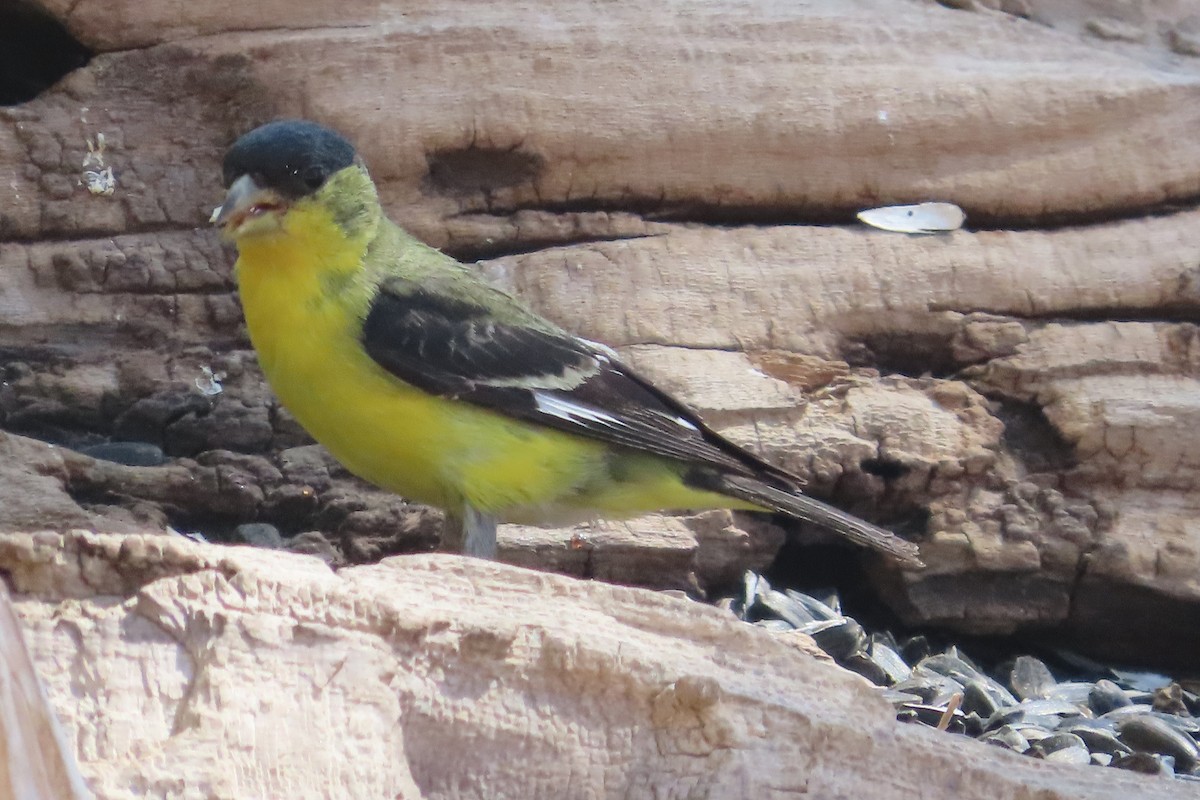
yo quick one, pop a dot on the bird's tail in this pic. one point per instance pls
(795, 504)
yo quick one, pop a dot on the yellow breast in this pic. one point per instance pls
(303, 296)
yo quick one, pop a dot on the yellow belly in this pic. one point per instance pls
(433, 450)
(437, 451)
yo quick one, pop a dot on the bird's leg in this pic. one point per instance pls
(472, 534)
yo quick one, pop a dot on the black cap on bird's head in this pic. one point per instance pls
(292, 156)
(277, 163)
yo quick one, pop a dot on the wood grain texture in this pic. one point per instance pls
(189, 668)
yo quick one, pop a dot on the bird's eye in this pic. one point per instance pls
(314, 176)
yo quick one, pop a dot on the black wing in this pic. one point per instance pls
(519, 366)
(458, 349)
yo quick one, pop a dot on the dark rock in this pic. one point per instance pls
(867, 667)
(1118, 714)
(1145, 763)
(1070, 755)
(978, 700)
(953, 665)
(784, 607)
(1058, 741)
(1075, 692)
(916, 649)
(1032, 731)
(828, 607)
(1008, 737)
(1052, 708)
(1169, 700)
(259, 534)
(1146, 733)
(750, 583)
(889, 661)
(1105, 696)
(1062, 748)
(1029, 678)
(932, 688)
(842, 639)
(1004, 717)
(972, 724)
(1098, 740)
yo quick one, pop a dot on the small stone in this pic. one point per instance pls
(259, 534)
(1147, 733)
(943, 688)
(1074, 692)
(842, 639)
(1092, 723)
(1145, 763)
(1030, 678)
(1169, 700)
(750, 584)
(1098, 740)
(1008, 737)
(864, 665)
(954, 666)
(1034, 733)
(1070, 755)
(784, 607)
(916, 649)
(977, 699)
(972, 724)
(950, 665)
(890, 662)
(1191, 701)
(817, 607)
(1105, 696)
(1052, 708)
(1004, 717)
(1059, 741)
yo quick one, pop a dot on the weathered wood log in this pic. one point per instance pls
(36, 763)
(1017, 396)
(186, 670)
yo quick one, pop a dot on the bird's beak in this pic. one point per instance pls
(245, 201)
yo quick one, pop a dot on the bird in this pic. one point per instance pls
(421, 377)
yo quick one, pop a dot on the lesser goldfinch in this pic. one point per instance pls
(424, 379)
